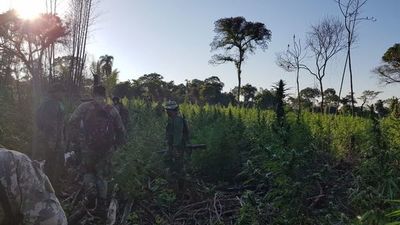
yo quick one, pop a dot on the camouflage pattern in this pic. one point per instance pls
(49, 138)
(28, 191)
(95, 164)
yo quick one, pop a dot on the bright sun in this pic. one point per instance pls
(28, 9)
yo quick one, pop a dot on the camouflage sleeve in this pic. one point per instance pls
(73, 125)
(39, 205)
(119, 126)
(77, 115)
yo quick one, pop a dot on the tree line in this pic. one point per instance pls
(153, 87)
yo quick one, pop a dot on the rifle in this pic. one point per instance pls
(188, 147)
(86, 99)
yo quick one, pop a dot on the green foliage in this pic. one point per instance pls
(389, 72)
(138, 162)
(324, 170)
(15, 122)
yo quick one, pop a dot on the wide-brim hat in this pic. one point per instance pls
(171, 105)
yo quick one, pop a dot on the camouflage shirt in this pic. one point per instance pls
(28, 192)
(76, 121)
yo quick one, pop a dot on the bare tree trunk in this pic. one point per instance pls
(298, 93)
(351, 85)
(82, 57)
(350, 11)
(322, 95)
(343, 74)
(81, 17)
(239, 71)
(50, 52)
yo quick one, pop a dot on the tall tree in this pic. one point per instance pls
(28, 40)
(325, 40)
(237, 37)
(331, 99)
(210, 91)
(291, 60)
(367, 96)
(194, 90)
(80, 16)
(123, 89)
(381, 109)
(389, 72)
(350, 10)
(110, 81)
(394, 107)
(248, 92)
(308, 95)
(106, 64)
(153, 85)
(264, 99)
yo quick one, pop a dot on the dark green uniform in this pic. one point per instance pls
(95, 163)
(177, 138)
(49, 144)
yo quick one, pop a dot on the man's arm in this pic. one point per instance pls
(119, 126)
(77, 115)
(74, 121)
(178, 132)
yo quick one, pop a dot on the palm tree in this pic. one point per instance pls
(106, 63)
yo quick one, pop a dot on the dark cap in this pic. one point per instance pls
(171, 105)
(115, 99)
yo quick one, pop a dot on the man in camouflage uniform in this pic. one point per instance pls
(26, 195)
(49, 145)
(95, 163)
(176, 138)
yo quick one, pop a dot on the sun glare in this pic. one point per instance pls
(28, 9)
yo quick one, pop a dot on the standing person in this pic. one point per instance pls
(176, 137)
(123, 111)
(26, 195)
(49, 145)
(102, 129)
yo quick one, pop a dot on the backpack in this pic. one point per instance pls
(99, 128)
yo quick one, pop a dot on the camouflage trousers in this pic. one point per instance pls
(96, 169)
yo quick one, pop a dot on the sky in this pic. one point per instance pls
(173, 38)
